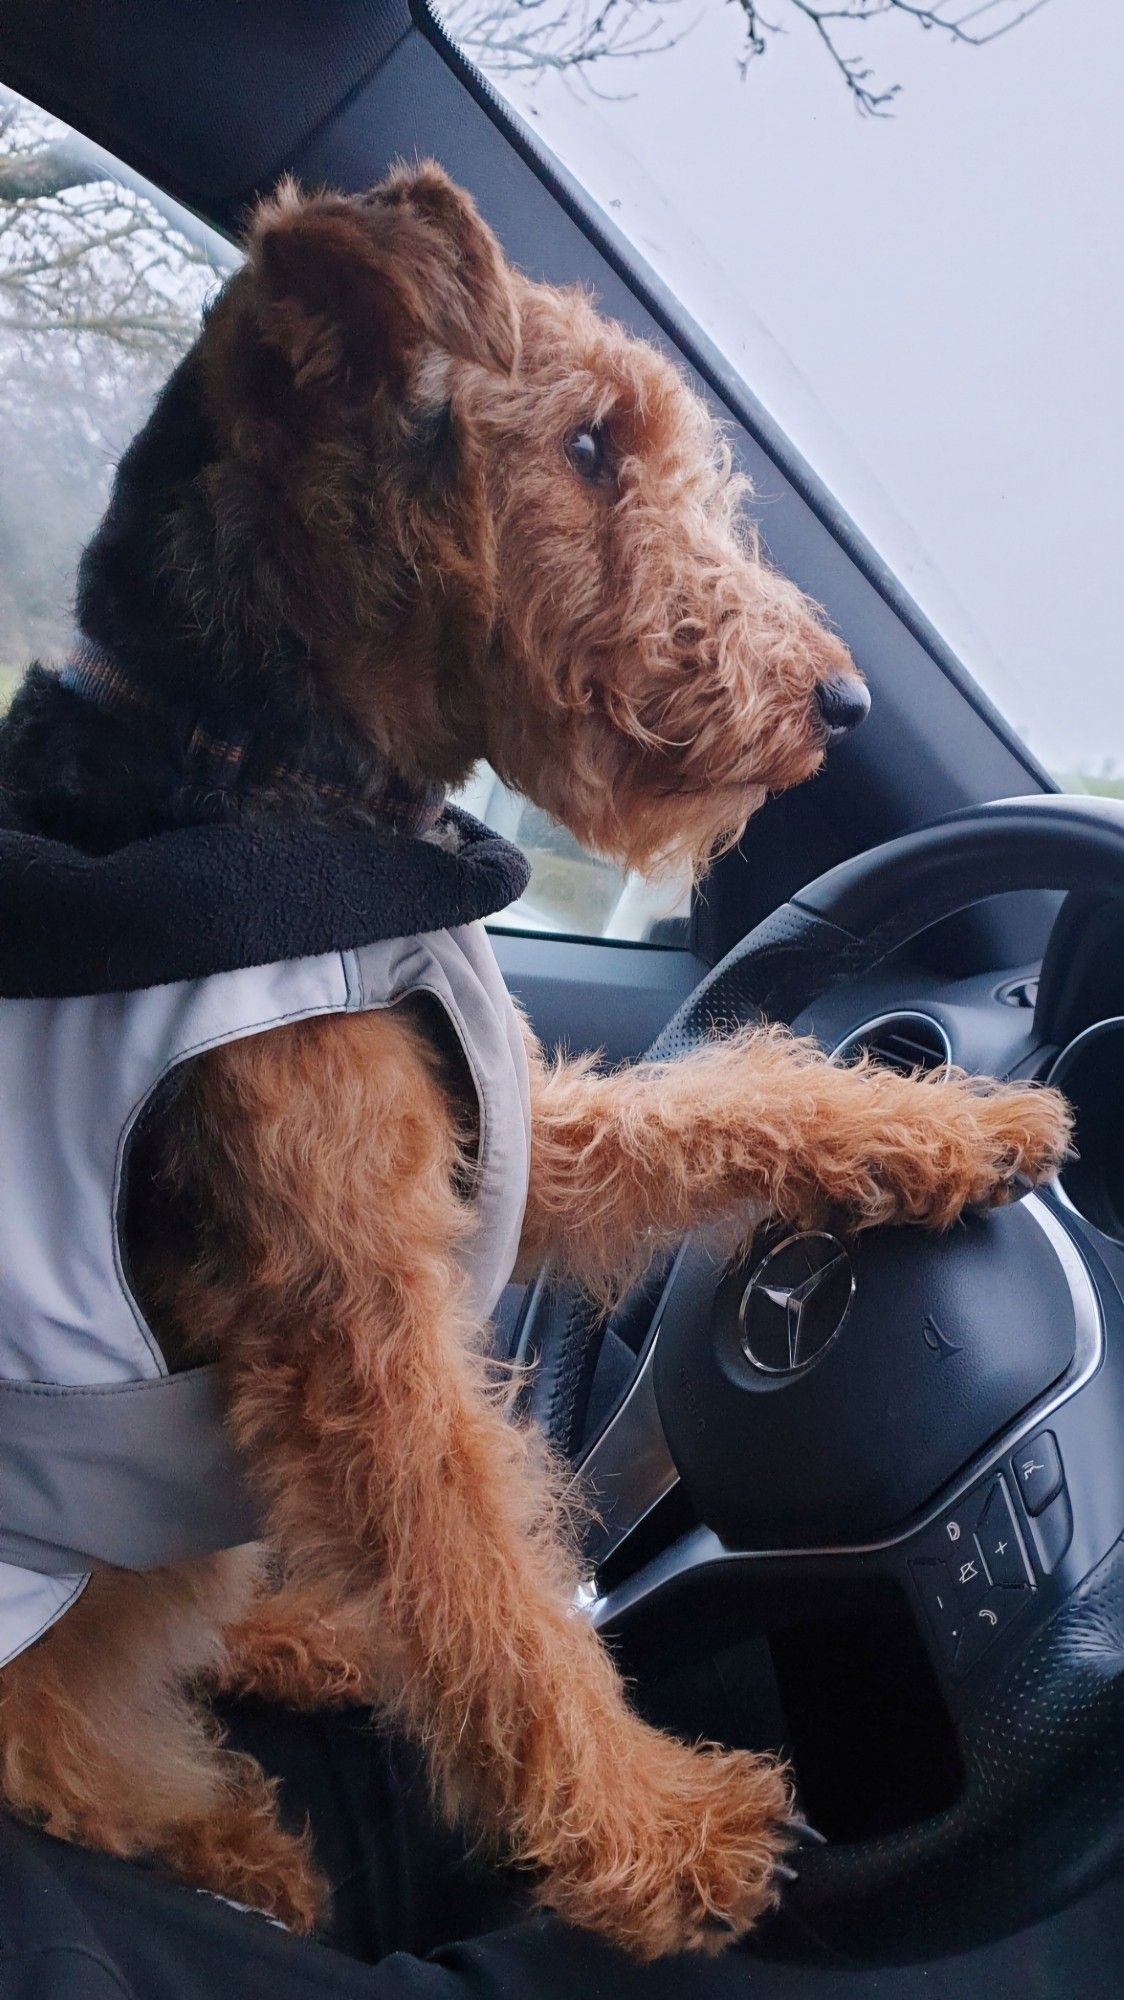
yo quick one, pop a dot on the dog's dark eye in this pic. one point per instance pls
(588, 452)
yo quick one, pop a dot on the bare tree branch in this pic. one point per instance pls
(46, 171)
(101, 288)
(972, 22)
(532, 37)
(115, 324)
(85, 256)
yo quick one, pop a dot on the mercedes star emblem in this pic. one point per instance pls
(796, 1302)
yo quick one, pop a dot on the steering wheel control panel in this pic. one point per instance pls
(978, 1568)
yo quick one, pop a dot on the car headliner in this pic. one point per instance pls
(214, 100)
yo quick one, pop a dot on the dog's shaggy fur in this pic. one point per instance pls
(402, 509)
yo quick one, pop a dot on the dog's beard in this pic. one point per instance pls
(675, 834)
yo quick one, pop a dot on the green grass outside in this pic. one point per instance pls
(1083, 781)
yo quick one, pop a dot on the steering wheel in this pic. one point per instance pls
(943, 1431)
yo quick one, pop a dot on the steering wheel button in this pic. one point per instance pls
(998, 1542)
(1037, 1469)
(981, 1624)
(945, 1610)
(955, 1534)
(1052, 1531)
(968, 1574)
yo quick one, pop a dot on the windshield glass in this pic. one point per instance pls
(902, 224)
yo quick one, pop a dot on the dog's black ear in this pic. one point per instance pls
(353, 289)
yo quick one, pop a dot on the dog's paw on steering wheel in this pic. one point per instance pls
(940, 1145)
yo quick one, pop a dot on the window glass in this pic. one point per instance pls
(571, 892)
(902, 224)
(102, 283)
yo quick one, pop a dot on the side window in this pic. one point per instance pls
(102, 283)
(573, 893)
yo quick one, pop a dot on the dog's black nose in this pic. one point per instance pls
(843, 702)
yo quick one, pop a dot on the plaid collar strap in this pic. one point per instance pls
(97, 677)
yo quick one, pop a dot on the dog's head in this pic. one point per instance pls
(504, 528)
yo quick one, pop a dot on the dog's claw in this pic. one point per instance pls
(805, 1835)
(1006, 1195)
(786, 1873)
(716, 1925)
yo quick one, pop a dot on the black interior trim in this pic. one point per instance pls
(210, 101)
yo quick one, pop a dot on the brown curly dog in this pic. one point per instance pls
(499, 528)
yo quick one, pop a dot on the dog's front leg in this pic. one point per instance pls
(763, 1123)
(395, 1482)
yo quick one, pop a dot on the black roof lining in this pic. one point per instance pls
(209, 99)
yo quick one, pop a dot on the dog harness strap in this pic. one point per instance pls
(219, 760)
(104, 1456)
(92, 673)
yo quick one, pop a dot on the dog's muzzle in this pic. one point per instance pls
(843, 701)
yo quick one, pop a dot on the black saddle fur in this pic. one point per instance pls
(95, 777)
(126, 857)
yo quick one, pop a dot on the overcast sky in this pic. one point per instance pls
(931, 305)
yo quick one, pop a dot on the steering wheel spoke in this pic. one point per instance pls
(628, 1470)
(630, 1467)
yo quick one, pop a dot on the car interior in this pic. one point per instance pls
(896, 1554)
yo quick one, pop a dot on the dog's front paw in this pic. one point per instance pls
(1025, 1137)
(960, 1143)
(694, 1860)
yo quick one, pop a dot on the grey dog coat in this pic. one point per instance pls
(106, 1456)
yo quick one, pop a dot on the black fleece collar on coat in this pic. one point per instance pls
(203, 899)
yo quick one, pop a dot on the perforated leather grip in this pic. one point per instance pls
(845, 922)
(1040, 1817)
(771, 974)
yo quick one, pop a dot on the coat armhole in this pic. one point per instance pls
(458, 1081)
(144, 1211)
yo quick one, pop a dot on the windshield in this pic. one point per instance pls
(902, 224)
